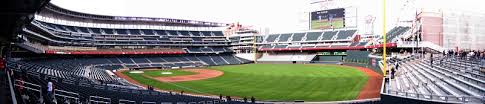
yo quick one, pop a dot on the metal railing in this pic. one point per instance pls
(438, 98)
(148, 102)
(67, 95)
(123, 101)
(99, 100)
(431, 97)
(11, 85)
(29, 86)
(38, 90)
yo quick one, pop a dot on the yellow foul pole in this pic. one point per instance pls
(384, 48)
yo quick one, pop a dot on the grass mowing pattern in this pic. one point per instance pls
(157, 73)
(282, 82)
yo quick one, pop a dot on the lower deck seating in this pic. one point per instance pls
(94, 50)
(94, 67)
(79, 90)
(208, 50)
(449, 78)
(87, 80)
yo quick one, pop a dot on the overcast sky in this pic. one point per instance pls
(277, 15)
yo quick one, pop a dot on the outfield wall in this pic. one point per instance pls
(366, 65)
(362, 59)
(351, 58)
(369, 65)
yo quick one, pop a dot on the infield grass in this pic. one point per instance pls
(281, 82)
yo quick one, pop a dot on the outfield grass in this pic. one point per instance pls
(282, 82)
(157, 73)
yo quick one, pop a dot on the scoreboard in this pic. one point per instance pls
(327, 19)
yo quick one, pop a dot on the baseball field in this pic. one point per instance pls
(280, 82)
(318, 25)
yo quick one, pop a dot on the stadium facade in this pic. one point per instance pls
(451, 29)
(80, 53)
(463, 30)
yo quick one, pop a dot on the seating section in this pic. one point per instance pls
(359, 44)
(272, 38)
(36, 48)
(329, 35)
(325, 39)
(280, 46)
(346, 34)
(94, 50)
(298, 36)
(81, 90)
(61, 37)
(446, 79)
(87, 67)
(284, 37)
(207, 59)
(339, 45)
(266, 46)
(218, 33)
(92, 80)
(218, 60)
(312, 36)
(72, 35)
(396, 32)
(208, 50)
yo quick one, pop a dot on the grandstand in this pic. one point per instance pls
(339, 39)
(85, 55)
(448, 79)
(62, 35)
(92, 79)
(79, 89)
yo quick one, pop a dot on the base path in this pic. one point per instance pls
(201, 74)
(120, 74)
(372, 88)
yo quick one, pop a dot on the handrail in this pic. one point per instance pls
(57, 90)
(148, 102)
(437, 98)
(95, 99)
(30, 88)
(67, 96)
(433, 97)
(28, 83)
(12, 92)
(123, 100)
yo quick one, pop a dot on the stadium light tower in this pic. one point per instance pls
(369, 24)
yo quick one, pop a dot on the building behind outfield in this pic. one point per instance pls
(463, 29)
(452, 29)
